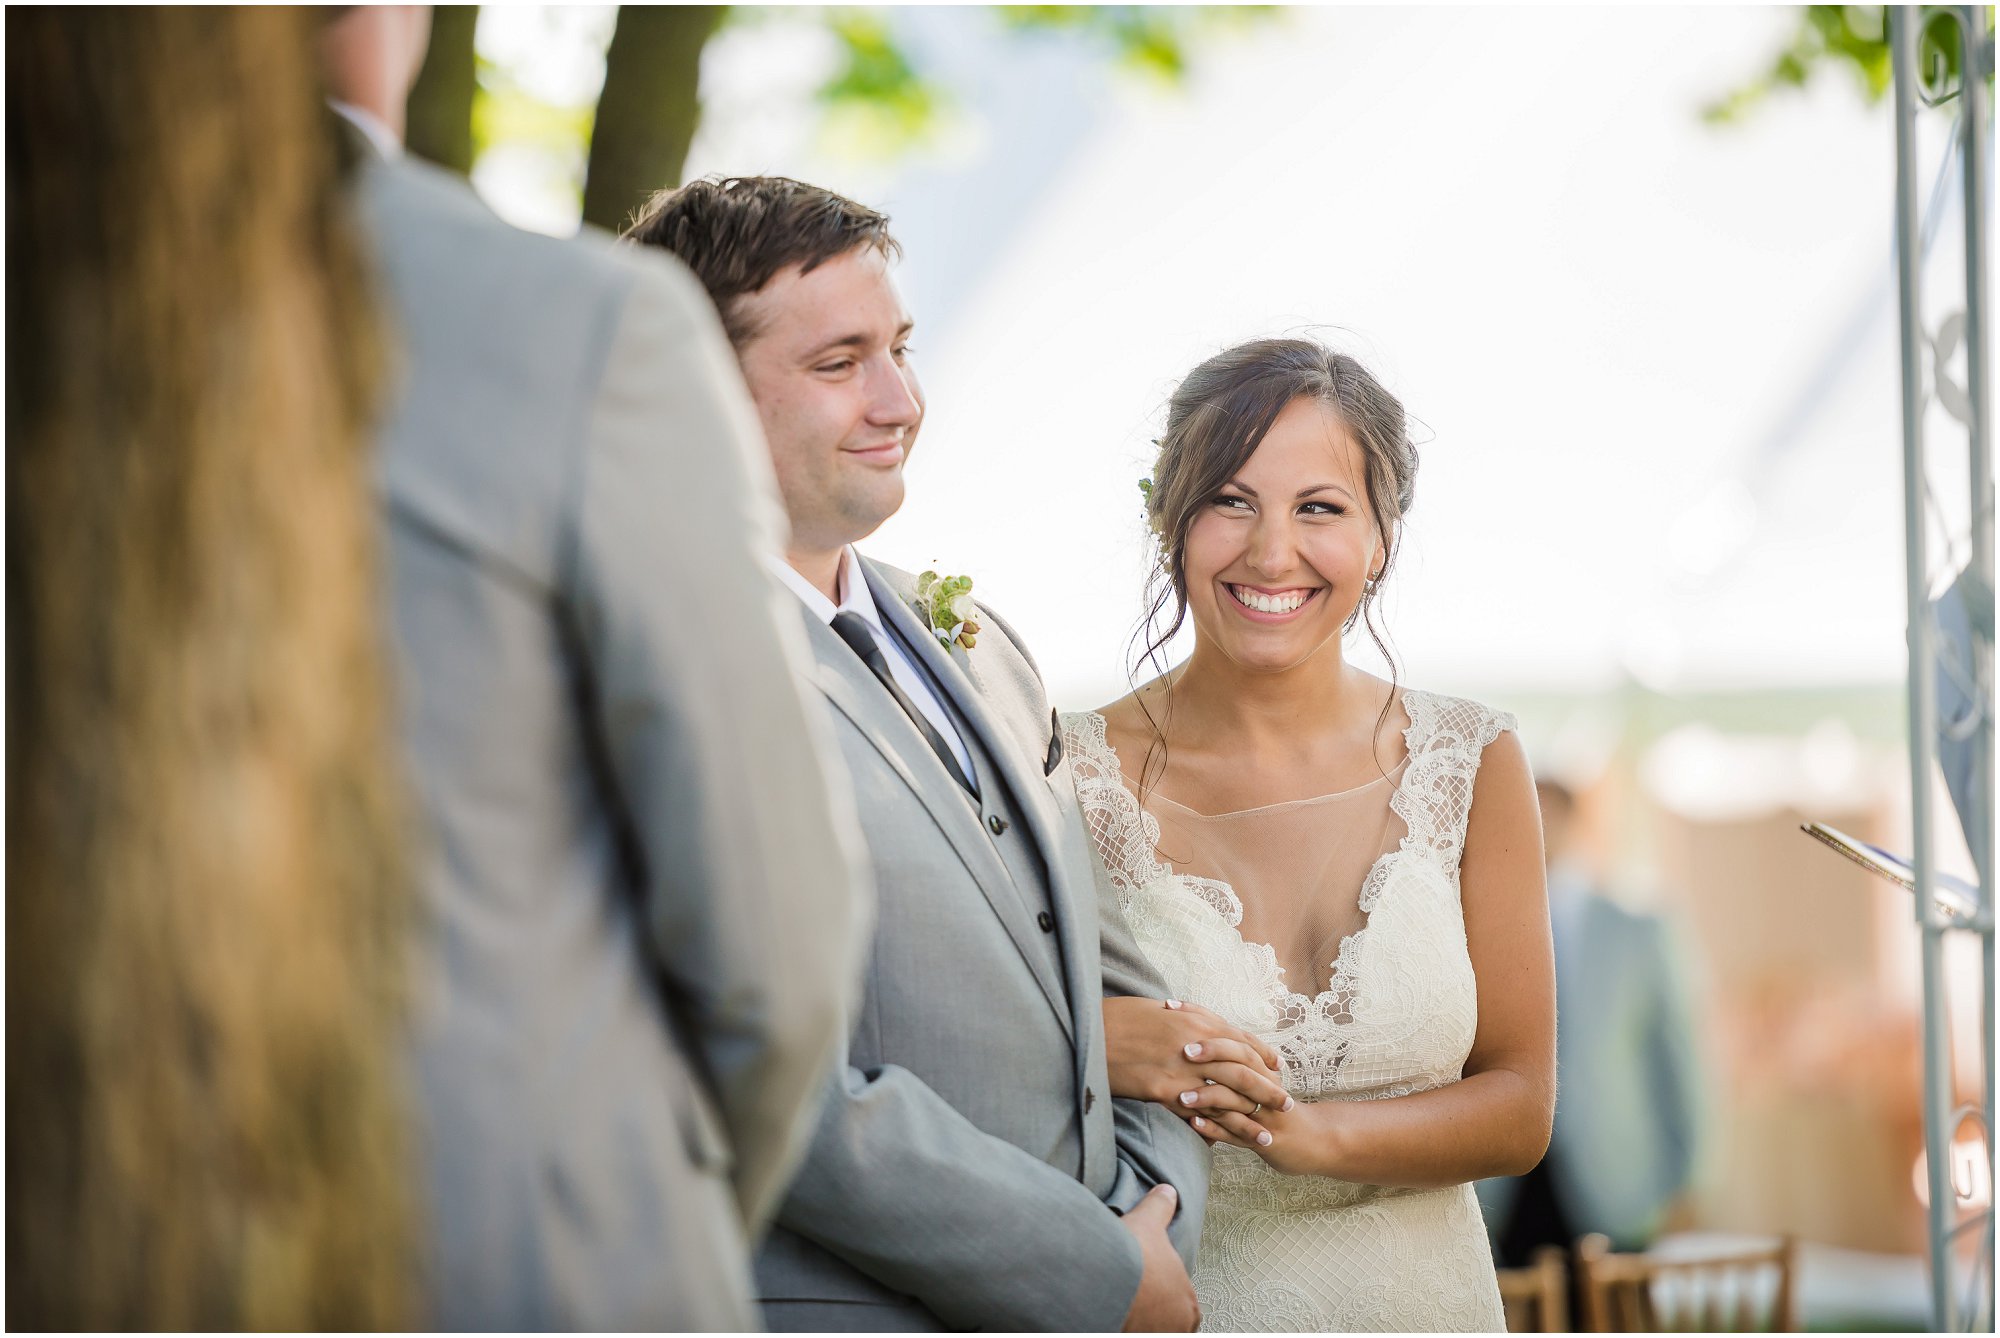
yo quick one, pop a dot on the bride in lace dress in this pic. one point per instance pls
(1342, 881)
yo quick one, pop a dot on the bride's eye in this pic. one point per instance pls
(1231, 502)
(1323, 509)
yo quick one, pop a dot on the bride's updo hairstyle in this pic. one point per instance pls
(1217, 418)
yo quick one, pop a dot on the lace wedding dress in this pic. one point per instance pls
(1232, 908)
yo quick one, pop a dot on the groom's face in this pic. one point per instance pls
(828, 366)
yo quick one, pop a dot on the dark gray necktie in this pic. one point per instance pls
(853, 629)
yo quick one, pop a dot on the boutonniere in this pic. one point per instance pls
(945, 604)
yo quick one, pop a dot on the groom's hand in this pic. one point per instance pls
(1165, 1303)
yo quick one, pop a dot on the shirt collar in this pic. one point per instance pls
(855, 596)
(370, 125)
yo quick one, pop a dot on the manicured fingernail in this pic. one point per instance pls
(1288, 1104)
(1192, 1050)
(1188, 1098)
(1264, 1139)
(1173, 1195)
(1199, 1123)
(1173, 1003)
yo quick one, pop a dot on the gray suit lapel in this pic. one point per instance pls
(954, 676)
(851, 688)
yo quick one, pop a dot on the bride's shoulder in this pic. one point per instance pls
(1116, 713)
(1440, 718)
(1092, 730)
(1470, 740)
(1129, 722)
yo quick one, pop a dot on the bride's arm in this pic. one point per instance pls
(1496, 1121)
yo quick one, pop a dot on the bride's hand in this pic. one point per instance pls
(1281, 1137)
(1170, 1052)
(1292, 1142)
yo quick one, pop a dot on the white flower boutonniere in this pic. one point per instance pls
(945, 604)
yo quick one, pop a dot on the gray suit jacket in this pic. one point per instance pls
(967, 1165)
(647, 910)
(1628, 1085)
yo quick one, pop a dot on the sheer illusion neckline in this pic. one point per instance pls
(1341, 967)
(1156, 797)
(1393, 777)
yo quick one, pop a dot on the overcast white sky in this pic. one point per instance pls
(1655, 361)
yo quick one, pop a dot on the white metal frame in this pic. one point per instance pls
(1971, 1309)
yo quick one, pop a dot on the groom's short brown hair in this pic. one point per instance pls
(736, 233)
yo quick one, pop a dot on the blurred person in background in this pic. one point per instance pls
(1623, 1154)
(1347, 868)
(647, 903)
(206, 899)
(969, 1170)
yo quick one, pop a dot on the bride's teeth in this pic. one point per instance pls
(1267, 603)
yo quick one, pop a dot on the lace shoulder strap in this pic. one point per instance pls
(1447, 735)
(1116, 823)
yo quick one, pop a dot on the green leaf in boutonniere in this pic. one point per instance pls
(945, 604)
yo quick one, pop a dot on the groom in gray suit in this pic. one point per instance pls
(647, 905)
(968, 1171)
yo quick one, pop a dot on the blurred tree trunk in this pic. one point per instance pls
(205, 900)
(651, 104)
(440, 111)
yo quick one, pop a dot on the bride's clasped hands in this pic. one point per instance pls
(1225, 1082)
(1218, 1077)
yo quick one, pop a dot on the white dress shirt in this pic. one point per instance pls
(855, 597)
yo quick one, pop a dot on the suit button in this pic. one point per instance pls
(1047, 922)
(996, 824)
(1089, 1100)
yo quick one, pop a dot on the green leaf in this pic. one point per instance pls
(877, 103)
(1854, 37)
(505, 113)
(1155, 40)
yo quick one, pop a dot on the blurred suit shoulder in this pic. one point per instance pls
(1624, 933)
(505, 335)
(420, 209)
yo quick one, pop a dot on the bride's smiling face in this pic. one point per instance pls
(1276, 559)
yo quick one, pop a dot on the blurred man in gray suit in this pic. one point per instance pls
(1628, 1081)
(968, 1171)
(647, 907)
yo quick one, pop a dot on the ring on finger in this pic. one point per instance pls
(1259, 1106)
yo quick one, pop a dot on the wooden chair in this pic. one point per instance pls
(1536, 1298)
(1742, 1292)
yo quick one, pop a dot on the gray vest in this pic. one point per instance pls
(1001, 818)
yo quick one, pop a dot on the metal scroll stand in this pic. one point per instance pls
(1953, 633)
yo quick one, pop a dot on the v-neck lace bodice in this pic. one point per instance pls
(1396, 1014)
(1336, 1038)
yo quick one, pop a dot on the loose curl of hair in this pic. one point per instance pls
(1216, 419)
